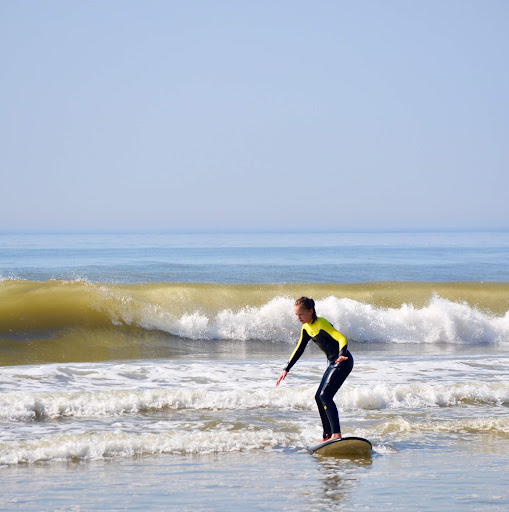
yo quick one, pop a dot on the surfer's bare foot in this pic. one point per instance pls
(335, 436)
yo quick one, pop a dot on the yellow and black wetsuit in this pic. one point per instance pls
(333, 344)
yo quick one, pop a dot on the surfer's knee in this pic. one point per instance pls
(323, 396)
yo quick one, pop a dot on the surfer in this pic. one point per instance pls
(334, 344)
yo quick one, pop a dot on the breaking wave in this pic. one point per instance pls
(378, 312)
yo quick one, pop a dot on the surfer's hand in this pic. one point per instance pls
(340, 359)
(281, 377)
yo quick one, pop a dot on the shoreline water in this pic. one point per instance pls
(412, 403)
(283, 479)
(142, 376)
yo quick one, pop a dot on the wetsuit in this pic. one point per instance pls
(334, 344)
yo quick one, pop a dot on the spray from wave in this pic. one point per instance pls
(441, 320)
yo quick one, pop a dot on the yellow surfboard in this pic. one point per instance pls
(345, 447)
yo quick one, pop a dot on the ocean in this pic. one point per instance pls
(138, 371)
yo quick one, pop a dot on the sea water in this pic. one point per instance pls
(138, 371)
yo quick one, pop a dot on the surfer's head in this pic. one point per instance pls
(304, 309)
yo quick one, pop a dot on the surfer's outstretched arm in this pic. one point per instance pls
(299, 349)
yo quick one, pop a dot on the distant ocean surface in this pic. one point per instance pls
(138, 371)
(257, 257)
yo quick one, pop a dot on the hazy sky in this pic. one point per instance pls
(254, 114)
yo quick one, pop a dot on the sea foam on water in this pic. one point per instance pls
(440, 321)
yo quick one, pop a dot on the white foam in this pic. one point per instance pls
(89, 445)
(93, 446)
(10, 277)
(401, 425)
(273, 321)
(418, 396)
(440, 321)
(31, 406)
(25, 406)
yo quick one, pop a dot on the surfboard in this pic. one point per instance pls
(345, 447)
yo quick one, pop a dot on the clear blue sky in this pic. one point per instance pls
(254, 115)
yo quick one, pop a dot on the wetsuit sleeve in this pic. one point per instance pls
(343, 345)
(299, 349)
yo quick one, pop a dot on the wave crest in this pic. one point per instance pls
(440, 321)
(252, 312)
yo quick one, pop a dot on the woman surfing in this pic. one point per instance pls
(334, 345)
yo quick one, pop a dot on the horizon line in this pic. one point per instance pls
(197, 231)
